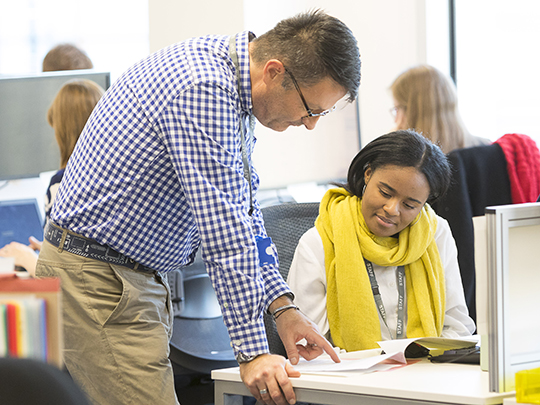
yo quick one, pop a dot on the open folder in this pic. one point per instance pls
(391, 353)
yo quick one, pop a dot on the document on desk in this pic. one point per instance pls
(430, 343)
(373, 360)
(363, 360)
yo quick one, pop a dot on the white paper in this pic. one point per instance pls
(7, 265)
(372, 360)
(326, 364)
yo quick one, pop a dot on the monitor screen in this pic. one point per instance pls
(27, 143)
(20, 219)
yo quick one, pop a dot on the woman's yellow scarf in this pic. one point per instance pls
(352, 313)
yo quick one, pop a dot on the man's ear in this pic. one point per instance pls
(273, 71)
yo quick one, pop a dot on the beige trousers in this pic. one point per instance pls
(117, 327)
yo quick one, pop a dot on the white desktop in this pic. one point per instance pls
(419, 383)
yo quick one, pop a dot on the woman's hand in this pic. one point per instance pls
(25, 256)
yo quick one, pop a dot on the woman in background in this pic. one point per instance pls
(425, 100)
(379, 263)
(67, 115)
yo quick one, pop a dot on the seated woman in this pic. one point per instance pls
(67, 115)
(379, 263)
(425, 100)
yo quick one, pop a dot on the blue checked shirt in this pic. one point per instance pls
(158, 170)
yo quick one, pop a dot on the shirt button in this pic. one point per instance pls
(238, 342)
(225, 305)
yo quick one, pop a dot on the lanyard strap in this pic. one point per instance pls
(400, 278)
(243, 130)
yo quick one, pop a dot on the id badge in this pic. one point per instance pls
(264, 245)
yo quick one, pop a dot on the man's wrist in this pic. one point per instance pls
(281, 310)
(282, 300)
(244, 358)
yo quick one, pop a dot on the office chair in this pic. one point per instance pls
(480, 179)
(505, 172)
(285, 224)
(27, 381)
(200, 341)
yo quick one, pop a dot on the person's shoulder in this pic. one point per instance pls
(178, 59)
(443, 236)
(311, 238)
(205, 40)
(206, 49)
(443, 227)
(57, 177)
(204, 60)
(311, 234)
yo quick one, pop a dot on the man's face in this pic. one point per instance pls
(278, 108)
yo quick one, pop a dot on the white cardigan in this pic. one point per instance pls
(307, 279)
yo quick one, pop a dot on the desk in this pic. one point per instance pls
(420, 383)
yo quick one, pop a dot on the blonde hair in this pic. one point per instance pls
(429, 101)
(69, 112)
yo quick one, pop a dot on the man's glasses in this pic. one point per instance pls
(310, 113)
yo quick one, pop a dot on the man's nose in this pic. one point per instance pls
(310, 122)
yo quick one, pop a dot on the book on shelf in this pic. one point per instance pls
(31, 319)
(23, 327)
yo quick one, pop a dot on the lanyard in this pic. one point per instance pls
(243, 130)
(262, 243)
(400, 278)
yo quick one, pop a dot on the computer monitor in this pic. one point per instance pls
(20, 219)
(27, 143)
(507, 250)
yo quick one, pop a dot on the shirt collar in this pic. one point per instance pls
(242, 41)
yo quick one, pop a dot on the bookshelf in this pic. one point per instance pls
(25, 293)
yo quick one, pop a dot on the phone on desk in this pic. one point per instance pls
(470, 355)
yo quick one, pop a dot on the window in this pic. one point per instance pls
(496, 62)
(114, 34)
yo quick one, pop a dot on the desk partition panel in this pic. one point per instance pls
(513, 260)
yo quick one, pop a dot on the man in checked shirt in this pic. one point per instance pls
(162, 169)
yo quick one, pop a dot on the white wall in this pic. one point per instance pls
(391, 37)
(172, 20)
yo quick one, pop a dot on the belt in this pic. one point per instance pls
(81, 246)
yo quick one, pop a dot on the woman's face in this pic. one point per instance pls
(393, 197)
(400, 117)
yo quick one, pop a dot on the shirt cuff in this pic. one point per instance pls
(275, 287)
(249, 339)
